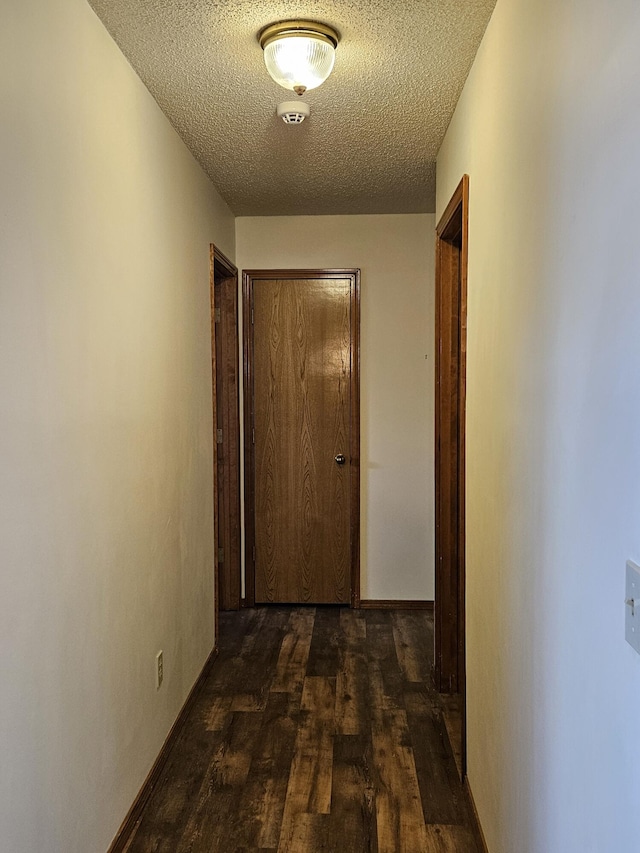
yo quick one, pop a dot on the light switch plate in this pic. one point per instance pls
(632, 617)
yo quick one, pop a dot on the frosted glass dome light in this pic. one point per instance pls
(299, 55)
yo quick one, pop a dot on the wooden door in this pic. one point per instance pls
(303, 400)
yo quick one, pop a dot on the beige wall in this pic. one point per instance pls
(395, 254)
(105, 425)
(548, 128)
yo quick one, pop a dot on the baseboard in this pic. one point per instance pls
(119, 843)
(476, 818)
(394, 604)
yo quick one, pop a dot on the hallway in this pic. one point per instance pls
(316, 730)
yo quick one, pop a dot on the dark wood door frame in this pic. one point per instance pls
(226, 426)
(450, 371)
(250, 279)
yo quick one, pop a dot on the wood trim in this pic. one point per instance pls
(119, 843)
(257, 275)
(225, 341)
(248, 279)
(216, 521)
(355, 441)
(249, 460)
(452, 234)
(394, 604)
(460, 197)
(480, 837)
(226, 267)
(462, 448)
(462, 468)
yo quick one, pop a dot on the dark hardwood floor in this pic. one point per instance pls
(316, 730)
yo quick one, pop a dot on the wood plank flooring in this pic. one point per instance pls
(317, 730)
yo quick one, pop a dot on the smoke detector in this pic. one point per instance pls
(293, 112)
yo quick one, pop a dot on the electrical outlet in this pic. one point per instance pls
(159, 670)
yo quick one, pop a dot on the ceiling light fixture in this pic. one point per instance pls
(299, 55)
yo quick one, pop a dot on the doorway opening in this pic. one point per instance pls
(302, 436)
(225, 355)
(450, 371)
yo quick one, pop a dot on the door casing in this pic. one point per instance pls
(450, 404)
(251, 279)
(226, 429)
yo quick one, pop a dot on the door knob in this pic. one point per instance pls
(340, 459)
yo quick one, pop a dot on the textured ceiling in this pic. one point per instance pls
(376, 125)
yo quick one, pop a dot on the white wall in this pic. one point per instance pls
(105, 424)
(548, 128)
(395, 254)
